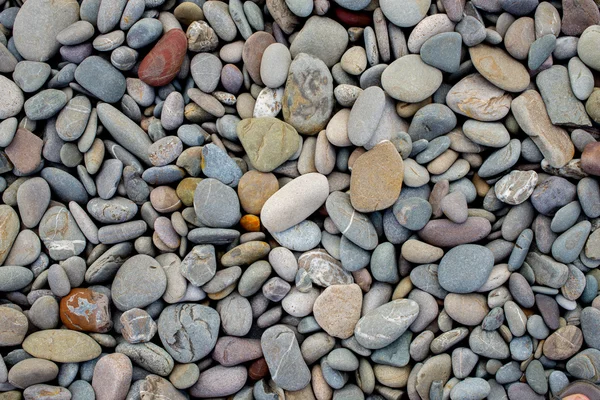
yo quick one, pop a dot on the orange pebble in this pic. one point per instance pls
(576, 397)
(251, 223)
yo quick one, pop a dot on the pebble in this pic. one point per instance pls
(400, 82)
(37, 25)
(149, 285)
(386, 323)
(288, 370)
(62, 346)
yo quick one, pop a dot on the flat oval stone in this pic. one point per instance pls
(475, 97)
(383, 325)
(376, 178)
(501, 160)
(352, 224)
(297, 200)
(275, 64)
(198, 323)
(38, 23)
(465, 268)
(587, 49)
(45, 104)
(31, 371)
(253, 51)
(365, 115)
(405, 14)
(163, 62)
(516, 187)
(284, 359)
(216, 204)
(409, 79)
(144, 32)
(302, 237)
(308, 107)
(126, 132)
(220, 381)
(566, 247)
(62, 345)
(112, 86)
(112, 376)
(585, 365)
(14, 325)
(499, 68)
(12, 100)
(139, 282)
(115, 210)
(446, 233)
(488, 344)
(563, 343)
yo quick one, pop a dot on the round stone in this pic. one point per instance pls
(198, 323)
(62, 345)
(409, 79)
(405, 13)
(139, 282)
(465, 268)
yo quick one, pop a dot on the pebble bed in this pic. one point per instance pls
(299, 199)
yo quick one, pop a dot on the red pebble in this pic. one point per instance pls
(163, 62)
(352, 18)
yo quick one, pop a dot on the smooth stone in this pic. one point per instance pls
(62, 345)
(126, 132)
(445, 233)
(466, 309)
(471, 262)
(470, 388)
(516, 187)
(442, 51)
(33, 195)
(144, 32)
(431, 121)
(587, 47)
(585, 365)
(308, 40)
(37, 25)
(298, 200)
(149, 284)
(563, 343)
(148, 356)
(400, 80)
(268, 142)
(14, 323)
(218, 165)
(590, 320)
(216, 204)
(477, 98)
(219, 381)
(501, 159)
(31, 75)
(412, 213)
(354, 225)
(540, 50)
(72, 120)
(45, 104)
(407, 14)
(183, 320)
(578, 15)
(163, 62)
(554, 143)
(112, 376)
(488, 344)
(288, 369)
(252, 53)
(463, 362)
(376, 178)
(383, 325)
(566, 247)
(308, 108)
(588, 192)
(499, 68)
(110, 89)
(274, 65)
(302, 237)
(554, 82)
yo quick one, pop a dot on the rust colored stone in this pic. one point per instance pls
(352, 18)
(86, 310)
(258, 369)
(25, 151)
(590, 159)
(163, 62)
